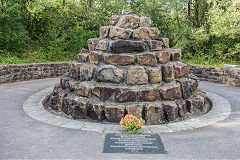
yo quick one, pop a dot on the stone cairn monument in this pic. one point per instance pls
(127, 70)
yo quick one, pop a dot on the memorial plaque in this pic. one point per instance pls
(133, 144)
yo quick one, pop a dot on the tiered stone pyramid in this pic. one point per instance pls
(127, 70)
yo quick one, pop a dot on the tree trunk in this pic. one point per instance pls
(196, 14)
(189, 8)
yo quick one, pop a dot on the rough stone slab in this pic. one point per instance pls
(137, 75)
(118, 32)
(170, 91)
(95, 57)
(104, 32)
(128, 21)
(147, 59)
(147, 94)
(181, 69)
(135, 109)
(86, 72)
(114, 113)
(154, 113)
(103, 45)
(96, 111)
(103, 92)
(82, 57)
(127, 46)
(146, 33)
(145, 21)
(109, 73)
(155, 75)
(165, 42)
(168, 72)
(122, 59)
(125, 95)
(154, 45)
(170, 109)
(114, 19)
(92, 43)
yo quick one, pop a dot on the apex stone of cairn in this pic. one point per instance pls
(128, 70)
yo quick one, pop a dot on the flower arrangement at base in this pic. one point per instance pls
(131, 123)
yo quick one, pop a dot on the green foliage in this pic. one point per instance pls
(207, 31)
(13, 25)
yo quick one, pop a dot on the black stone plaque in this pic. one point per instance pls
(133, 144)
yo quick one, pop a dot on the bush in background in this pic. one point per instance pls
(43, 30)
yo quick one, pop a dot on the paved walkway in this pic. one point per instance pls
(24, 137)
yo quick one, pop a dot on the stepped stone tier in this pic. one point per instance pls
(128, 70)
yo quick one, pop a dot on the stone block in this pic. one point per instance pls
(55, 100)
(129, 21)
(127, 46)
(96, 111)
(72, 84)
(163, 56)
(95, 57)
(74, 69)
(154, 113)
(119, 59)
(175, 54)
(193, 84)
(86, 72)
(165, 42)
(103, 92)
(64, 82)
(83, 50)
(195, 104)
(154, 45)
(82, 57)
(135, 110)
(171, 110)
(114, 113)
(83, 89)
(147, 59)
(118, 32)
(181, 69)
(125, 95)
(170, 91)
(109, 73)
(114, 19)
(145, 21)
(92, 43)
(186, 92)
(75, 106)
(182, 108)
(104, 32)
(207, 107)
(137, 75)
(155, 75)
(103, 45)
(147, 94)
(146, 33)
(168, 72)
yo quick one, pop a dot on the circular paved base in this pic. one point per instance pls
(34, 108)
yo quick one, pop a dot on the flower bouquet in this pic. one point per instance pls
(131, 123)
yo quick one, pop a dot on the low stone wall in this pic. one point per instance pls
(227, 76)
(21, 72)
